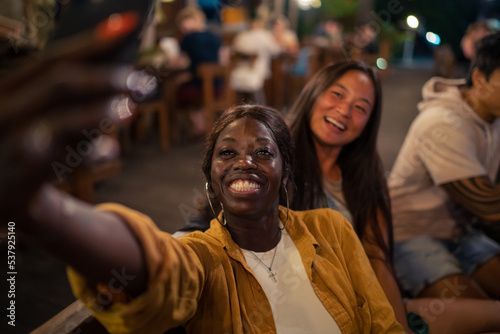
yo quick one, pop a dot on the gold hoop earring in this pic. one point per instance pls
(287, 210)
(211, 206)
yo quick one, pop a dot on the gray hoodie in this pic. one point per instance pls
(446, 142)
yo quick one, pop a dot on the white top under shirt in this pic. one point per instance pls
(296, 307)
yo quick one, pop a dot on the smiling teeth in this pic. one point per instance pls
(244, 185)
(334, 122)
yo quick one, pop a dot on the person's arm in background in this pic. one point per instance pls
(384, 271)
(46, 104)
(478, 195)
(481, 197)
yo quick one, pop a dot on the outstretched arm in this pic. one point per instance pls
(47, 103)
(96, 244)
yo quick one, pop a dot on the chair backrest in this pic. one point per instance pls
(215, 99)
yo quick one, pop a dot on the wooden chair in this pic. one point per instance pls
(81, 181)
(212, 102)
(72, 320)
(77, 319)
(145, 111)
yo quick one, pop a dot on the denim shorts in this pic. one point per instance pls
(422, 261)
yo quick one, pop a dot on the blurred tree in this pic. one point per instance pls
(447, 18)
(340, 8)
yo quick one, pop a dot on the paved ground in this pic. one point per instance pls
(166, 186)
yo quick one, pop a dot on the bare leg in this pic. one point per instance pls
(457, 316)
(488, 276)
(454, 286)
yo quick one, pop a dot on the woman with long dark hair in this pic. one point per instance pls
(357, 161)
(334, 124)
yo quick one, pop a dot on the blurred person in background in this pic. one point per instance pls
(259, 44)
(198, 45)
(444, 186)
(286, 37)
(474, 33)
(330, 33)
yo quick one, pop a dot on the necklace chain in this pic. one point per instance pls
(272, 274)
(269, 268)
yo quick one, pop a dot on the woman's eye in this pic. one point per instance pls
(265, 152)
(360, 108)
(225, 152)
(337, 94)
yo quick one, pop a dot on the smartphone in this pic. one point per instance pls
(82, 15)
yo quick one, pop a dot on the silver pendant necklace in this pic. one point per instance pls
(272, 274)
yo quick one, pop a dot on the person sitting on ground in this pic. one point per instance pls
(443, 180)
(334, 124)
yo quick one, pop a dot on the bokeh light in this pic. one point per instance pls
(412, 22)
(381, 63)
(433, 38)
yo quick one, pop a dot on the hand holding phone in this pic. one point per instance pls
(47, 102)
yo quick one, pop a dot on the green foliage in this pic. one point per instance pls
(340, 8)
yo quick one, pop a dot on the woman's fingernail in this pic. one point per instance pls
(116, 26)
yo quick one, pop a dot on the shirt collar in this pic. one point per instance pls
(305, 242)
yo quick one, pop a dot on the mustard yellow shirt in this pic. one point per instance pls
(202, 281)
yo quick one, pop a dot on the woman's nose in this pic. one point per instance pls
(344, 109)
(245, 162)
